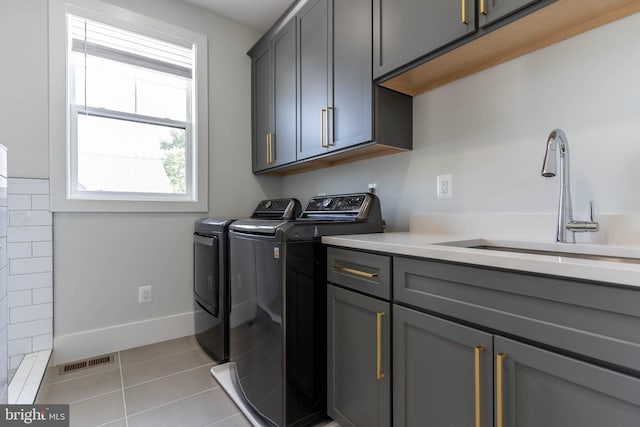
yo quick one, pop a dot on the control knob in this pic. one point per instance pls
(327, 203)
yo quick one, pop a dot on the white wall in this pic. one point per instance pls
(489, 130)
(101, 259)
(24, 87)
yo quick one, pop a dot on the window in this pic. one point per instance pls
(135, 136)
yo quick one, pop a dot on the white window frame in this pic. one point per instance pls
(63, 150)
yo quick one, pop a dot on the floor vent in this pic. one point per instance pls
(86, 364)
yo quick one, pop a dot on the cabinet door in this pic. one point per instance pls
(352, 92)
(442, 372)
(262, 105)
(358, 390)
(535, 387)
(492, 10)
(284, 73)
(314, 78)
(405, 30)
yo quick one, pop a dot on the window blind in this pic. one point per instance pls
(105, 41)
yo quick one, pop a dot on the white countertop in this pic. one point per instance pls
(424, 245)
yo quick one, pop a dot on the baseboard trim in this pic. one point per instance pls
(80, 345)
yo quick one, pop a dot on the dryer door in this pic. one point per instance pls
(206, 277)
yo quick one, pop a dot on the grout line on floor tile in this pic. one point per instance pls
(170, 375)
(112, 421)
(124, 399)
(225, 419)
(163, 355)
(172, 402)
(95, 396)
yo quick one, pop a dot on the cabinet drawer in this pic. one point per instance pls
(363, 272)
(596, 320)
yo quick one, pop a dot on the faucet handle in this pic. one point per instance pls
(580, 226)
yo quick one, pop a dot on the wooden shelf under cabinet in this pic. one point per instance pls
(352, 154)
(548, 25)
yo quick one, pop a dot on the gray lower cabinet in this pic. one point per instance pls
(442, 372)
(570, 359)
(536, 387)
(443, 375)
(405, 30)
(358, 362)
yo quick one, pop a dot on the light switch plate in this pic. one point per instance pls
(444, 186)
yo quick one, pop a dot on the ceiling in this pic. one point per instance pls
(257, 14)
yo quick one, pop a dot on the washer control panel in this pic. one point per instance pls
(277, 209)
(337, 204)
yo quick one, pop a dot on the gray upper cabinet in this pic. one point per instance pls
(262, 105)
(274, 100)
(442, 372)
(315, 104)
(315, 41)
(336, 89)
(351, 96)
(285, 114)
(405, 30)
(535, 387)
(492, 10)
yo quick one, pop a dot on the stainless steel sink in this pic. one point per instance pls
(589, 252)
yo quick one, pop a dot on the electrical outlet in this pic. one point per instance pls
(144, 294)
(444, 186)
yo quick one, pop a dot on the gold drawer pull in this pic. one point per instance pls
(483, 7)
(379, 374)
(353, 271)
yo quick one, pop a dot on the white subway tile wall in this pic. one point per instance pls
(30, 283)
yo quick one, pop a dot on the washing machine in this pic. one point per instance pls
(278, 307)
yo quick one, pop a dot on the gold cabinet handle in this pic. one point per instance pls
(477, 352)
(379, 374)
(270, 147)
(353, 271)
(322, 128)
(465, 21)
(483, 7)
(499, 390)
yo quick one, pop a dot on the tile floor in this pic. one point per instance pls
(164, 384)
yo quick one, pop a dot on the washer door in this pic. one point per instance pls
(255, 321)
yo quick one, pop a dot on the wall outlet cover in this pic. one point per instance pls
(144, 294)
